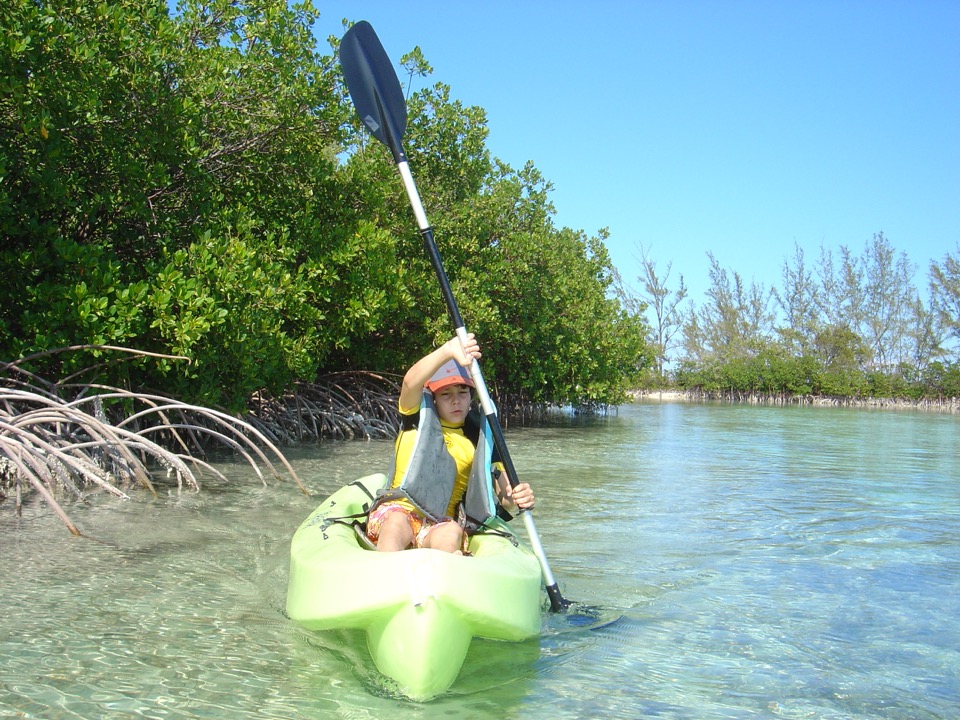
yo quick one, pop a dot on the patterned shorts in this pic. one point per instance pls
(421, 526)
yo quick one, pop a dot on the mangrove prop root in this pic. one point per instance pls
(63, 439)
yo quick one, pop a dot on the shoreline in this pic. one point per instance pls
(951, 405)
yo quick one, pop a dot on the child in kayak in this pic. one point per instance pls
(397, 524)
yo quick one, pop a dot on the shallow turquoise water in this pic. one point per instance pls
(751, 563)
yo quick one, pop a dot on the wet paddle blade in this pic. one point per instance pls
(378, 99)
(374, 86)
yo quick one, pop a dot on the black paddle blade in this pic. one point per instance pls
(374, 86)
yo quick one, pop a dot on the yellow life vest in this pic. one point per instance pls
(437, 467)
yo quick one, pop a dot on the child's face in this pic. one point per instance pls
(453, 402)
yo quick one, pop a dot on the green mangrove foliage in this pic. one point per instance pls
(192, 182)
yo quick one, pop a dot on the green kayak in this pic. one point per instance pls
(420, 608)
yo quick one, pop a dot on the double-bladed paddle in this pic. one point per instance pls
(378, 99)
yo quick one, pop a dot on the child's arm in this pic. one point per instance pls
(513, 499)
(421, 371)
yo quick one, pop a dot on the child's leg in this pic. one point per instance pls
(446, 536)
(396, 532)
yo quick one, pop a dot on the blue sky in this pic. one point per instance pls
(737, 127)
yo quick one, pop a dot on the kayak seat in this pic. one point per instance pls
(360, 530)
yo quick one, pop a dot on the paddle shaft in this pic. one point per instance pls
(378, 98)
(557, 602)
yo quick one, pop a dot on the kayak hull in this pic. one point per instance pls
(420, 608)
